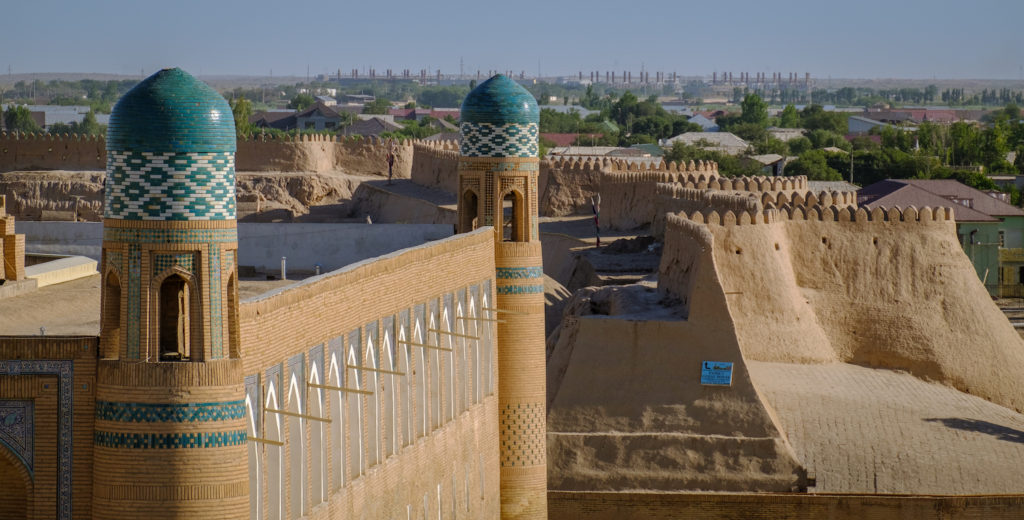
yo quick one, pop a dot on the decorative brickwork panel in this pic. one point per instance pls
(64, 370)
(16, 429)
(170, 186)
(522, 427)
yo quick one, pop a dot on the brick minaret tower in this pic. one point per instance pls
(498, 187)
(170, 417)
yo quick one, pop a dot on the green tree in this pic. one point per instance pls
(301, 102)
(789, 118)
(754, 110)
(89, 126)
(60, 129)
(799, 145)
(814, 117)
(377, 106)
(825, 138)
(814, 165)
(241, 109)
(19, 119)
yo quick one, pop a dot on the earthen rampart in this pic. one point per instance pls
(20, 151)
(873, 287)
(568, 185)
(318, 153)
(405, 374)
(435, 165)
(301, 153)
(675, 198)
(630, 197)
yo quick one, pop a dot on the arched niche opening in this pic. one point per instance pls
(469, 212)
(513, 219)
(178, 333)
(110, 329)
(15, 486)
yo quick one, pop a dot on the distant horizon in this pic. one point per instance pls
(875, 39)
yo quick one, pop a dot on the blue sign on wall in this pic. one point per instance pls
(716, 373)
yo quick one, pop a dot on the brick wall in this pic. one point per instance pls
(57, 374)
(419, 437)
(762, 506)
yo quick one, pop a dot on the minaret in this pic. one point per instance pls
(170, 432)
(498, 187)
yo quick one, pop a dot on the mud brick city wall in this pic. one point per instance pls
(763, 506)
(303, 153)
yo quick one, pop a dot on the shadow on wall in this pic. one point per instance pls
(1002, 433)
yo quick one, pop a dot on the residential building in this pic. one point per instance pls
(990, 230)
(771, 164)
(372, 126)
(786, 134)
(724, 142)
(862, 125)
(318, 117)
(706, 124)
(276, 119)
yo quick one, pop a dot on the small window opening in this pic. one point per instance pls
(174, 319)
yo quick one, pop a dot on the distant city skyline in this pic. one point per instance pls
(868, 39)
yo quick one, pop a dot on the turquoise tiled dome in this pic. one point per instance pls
(171, 111)
(500, 101)
(171, 152)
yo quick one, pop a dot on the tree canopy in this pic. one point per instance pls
(19, 119)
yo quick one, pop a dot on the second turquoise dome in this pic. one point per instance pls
(171, 111)
(500, 101)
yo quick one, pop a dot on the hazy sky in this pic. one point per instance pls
(863, 38)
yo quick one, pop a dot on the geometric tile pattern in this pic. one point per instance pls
(175, 236)
(134, 300)
(177, 413)
(170, 186)
(520, 289)
(490, 140)
(165, 261)
(64, 370)
(523, 428)
(16, 419)
(216, 320)
(114, 259)
(512, 273)
(169, 440)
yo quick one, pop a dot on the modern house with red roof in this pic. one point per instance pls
(990, 230)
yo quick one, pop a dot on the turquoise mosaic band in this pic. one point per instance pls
(176, 413)
(514, 273)
(169, 236)
(170, 186)
(507, 140)
(520, 289)
(169, 441)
